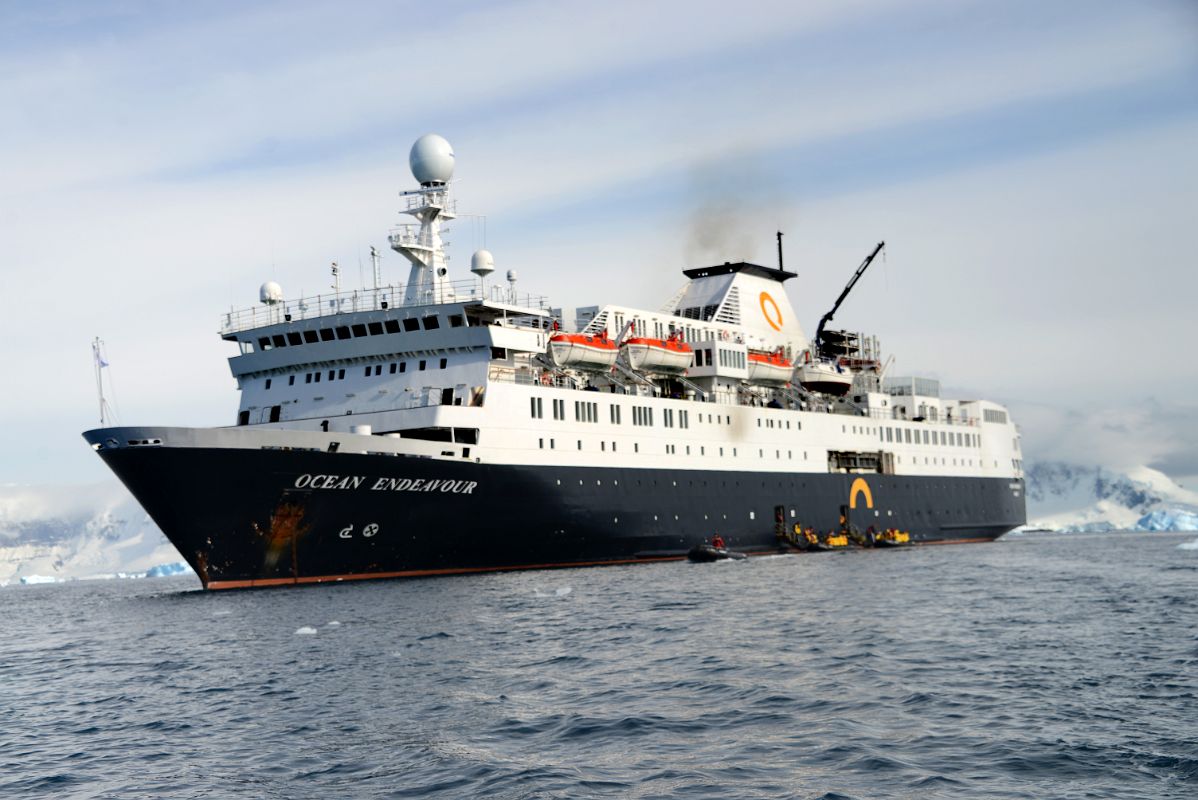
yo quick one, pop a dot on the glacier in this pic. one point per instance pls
(1074, 498)
(74, 532)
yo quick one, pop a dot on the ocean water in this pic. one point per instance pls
(1038, 666)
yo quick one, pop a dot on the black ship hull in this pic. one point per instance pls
(244, 518)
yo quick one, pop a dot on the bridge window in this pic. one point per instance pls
(392, 326)
(327, 335)
(278, 340)
(456, 320)
(343, 332)
(293, 338)
(411, 324)
(311, 337)
(431, 323)
(375, 328)
(359, 329)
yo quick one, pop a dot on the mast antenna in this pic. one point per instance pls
(374, 260)
(100, 364)
(779, 249)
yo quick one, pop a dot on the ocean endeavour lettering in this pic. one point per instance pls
(443, 485)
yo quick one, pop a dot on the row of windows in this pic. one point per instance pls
(683, 418)
(378, 328)
(586, 412)
(947, 438)
(642, 415)
(375, 369)
(731, 358)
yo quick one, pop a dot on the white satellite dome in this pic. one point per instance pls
(270, 293)
(431, 159)
(482, 263)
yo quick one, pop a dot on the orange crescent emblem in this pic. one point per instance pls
(860, 487)
(768, 302)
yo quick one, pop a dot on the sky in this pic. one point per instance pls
(1032, 166)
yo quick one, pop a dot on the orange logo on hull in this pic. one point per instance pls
(860, 487)
(767, 303)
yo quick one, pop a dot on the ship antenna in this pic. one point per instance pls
(374, 260)
(100, 364)
(336, 278)
(779, 249)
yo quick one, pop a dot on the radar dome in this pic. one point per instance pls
(270, 293)
(431, 159)
(482, 263)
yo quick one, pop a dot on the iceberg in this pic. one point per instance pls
(1169, 519)
(173, 568)
(31, 579)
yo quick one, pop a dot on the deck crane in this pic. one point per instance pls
(819, 332)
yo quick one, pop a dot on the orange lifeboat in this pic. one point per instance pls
(769, 368)
(658, 355)
(583, 351)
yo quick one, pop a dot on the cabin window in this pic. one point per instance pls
(264, 343)
(378, 369)
(456, 320)
(311, 337)
(340, 374)
(332, 374)
(307, 377)
(268, 383)
(278, 340)
(403, 366)
(559, 409)
(535, 408)
(431, 323)
(316, 377)
(411, 324)
(343, 332)
(392, 326)
(393, 368)
(614, 410)
(375, 328)
(294, 339)
(359, 329)
(367, 373)
(444, 363)
(423, 364)
(327, 335)
(291, 380)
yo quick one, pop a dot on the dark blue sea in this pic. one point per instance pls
(1040, 666)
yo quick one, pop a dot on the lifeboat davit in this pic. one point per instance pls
(583, 351)
(769, 368)
(825, 377)
(658, 355)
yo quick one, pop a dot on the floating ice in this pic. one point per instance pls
(174, 568)
(560, 591)
(305, 631)
(1169, 519)
(333, 624)
(30, 579)
(1188, 545)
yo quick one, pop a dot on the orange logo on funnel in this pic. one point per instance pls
(767, 302)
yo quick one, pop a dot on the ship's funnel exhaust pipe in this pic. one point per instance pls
(779, 249)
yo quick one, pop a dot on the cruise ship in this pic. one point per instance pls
(456, 425)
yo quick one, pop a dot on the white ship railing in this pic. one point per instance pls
(385, 297)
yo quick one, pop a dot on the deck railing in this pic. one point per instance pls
(382, 298)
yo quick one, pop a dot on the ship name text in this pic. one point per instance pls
(445, 486)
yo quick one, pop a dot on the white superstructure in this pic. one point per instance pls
(439, 368)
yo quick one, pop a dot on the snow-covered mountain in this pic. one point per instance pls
(65, 532)
(1069, 497)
